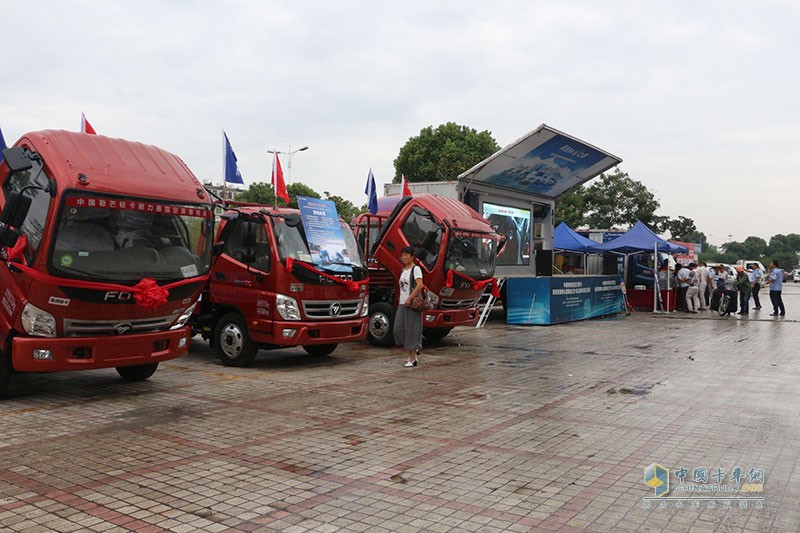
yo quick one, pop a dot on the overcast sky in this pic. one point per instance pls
(697, 98)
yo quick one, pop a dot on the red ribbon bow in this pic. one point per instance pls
(475, 284)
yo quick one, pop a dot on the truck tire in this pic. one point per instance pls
(5, 373)
(381, 324)
(320, 350)
(435, 334)
(137, 372)
(232, 342)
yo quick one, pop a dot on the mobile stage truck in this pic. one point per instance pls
(106, 246)
(283, 277)
(515, 190)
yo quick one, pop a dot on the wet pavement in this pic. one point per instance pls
(507, 428)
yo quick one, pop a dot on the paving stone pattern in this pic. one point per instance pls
(507, 428)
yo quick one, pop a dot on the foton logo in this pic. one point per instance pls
(117, 296)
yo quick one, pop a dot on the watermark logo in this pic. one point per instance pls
(657, 476)
(703, 486)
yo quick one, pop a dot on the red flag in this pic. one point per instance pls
(86, 127)
(277, 180)
(406, 190)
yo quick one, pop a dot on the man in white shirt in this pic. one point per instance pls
(703, 275)
(755, 275)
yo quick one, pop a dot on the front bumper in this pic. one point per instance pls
(87, 353)
(439, 318)
(305, 333)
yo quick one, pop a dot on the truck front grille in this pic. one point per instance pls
(83, 328)
(459, 304)
(331, 309)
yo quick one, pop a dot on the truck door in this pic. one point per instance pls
(419, 229)
(243, 268)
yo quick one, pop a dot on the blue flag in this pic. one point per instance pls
(371, 193)
(230, 169)
(2, 145)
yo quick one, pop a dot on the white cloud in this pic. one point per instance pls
(697, 98)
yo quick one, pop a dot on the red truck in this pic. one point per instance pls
(106, 245)
(266, 291)
(456, 249)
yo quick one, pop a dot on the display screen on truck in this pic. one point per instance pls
(126, 239)
(515, 224)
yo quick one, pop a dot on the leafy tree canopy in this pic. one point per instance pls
(443, 153)
(617, 200)
(263, 193)
(346, 209)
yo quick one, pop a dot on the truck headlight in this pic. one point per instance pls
(365, 308)
(287, 307)
(184, 318)
(37, 322)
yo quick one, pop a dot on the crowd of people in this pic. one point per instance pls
(698, 283)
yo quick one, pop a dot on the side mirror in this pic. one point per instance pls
(16, 160)
(8, 236)
(16, 209)
(248, 242)
(217, 249)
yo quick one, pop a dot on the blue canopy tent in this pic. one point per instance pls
(640, 239)
(566, 240)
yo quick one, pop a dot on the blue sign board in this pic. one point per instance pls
(323, 233)
(555, 300)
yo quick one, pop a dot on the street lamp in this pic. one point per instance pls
(289, 153)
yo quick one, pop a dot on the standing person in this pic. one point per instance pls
(693, 291)
(755, 278)
(683, 276)
(703, 284)
(408, 322)
(775, 282)
(743, 286)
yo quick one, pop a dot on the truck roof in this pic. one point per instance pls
(107, 162)
(460, 215)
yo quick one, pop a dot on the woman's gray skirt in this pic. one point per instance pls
(408, 328)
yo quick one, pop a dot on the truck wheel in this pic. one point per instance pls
(137, 372)
(233, 343)
(381, 324)
(435, 334)
(319, 350)
(5, 373)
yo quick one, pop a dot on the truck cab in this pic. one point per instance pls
(271, 288)
(106, 245)
(456, 249)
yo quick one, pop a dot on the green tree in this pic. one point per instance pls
(617, 200)
(263, 193)
(443, 153)
(784, 248)
(299, 189)
(570, 208)
(258, 193)
(346, 209)
(681, 229)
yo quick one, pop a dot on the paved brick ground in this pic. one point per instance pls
(501, 429)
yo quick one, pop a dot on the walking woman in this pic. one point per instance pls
(408, 322)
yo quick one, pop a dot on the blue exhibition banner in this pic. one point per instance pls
(323, 232)
(555, 300)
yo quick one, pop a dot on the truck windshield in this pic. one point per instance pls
(472, 254)
(121, 240)
(292, 242)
